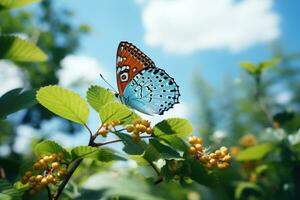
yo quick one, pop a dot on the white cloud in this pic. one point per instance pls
(11, 76)
(184, 26)
(179, 110)
(140, 2)
(80, 70)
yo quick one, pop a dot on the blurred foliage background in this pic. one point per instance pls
(262, 133)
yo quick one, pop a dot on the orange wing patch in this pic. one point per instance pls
(130, 61)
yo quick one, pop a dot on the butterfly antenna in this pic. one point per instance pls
(108, 84)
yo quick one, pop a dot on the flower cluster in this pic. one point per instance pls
(248, 140)
(219, 158)
(47, 169)
(138, 127)
(106, 127)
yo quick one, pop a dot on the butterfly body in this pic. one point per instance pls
(142, 86)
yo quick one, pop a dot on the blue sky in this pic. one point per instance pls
(115, 20)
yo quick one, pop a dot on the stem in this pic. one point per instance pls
(90, 132)
(160, 179)
(262, 104)
(49, 192)
(114, 141)
(66, 180)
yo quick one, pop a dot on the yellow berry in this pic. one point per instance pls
(141, 128)
(218, 152)
(42, 162)
(224, 149)
(227, 158)
(28, 174)
(39, 178)
(51, 158)
(129, 128)
(136, 121)
(55, 165)
(192, 150)
(149, 131)
(103, 132)
(212, 155)
(212, 161)
(44, 181)
(223, 165)
(50, 178)
(37, 166)
(146, 123)
(203, 158)
(24, 180)
(198, 140)
(198, 147)
(191, 140)
(32, 179)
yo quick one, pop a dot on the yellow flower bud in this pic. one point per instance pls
(149, 131)
(146, 123)
(129, 128)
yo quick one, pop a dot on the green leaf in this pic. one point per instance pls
(156, 150)
(83, 152)
(100, 154)
(249, 67)
(7, 191)
(197, 172)
(107, 155)
(171, 131)
(48, 147)
(173, 127)
(116, 111)
(242, 186)
(15, 100)
(131, 147)
(268, 64)
(98, 96)
(64, 103)
(256, 152)
(9, 4)
(284, 116)
(17, 49)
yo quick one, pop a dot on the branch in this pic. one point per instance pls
(262, 104)
(66, 179)
(114, 141)
(90, 132)
(160, 179)
(49, 192)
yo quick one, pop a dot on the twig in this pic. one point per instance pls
(66, 180)
(49, 193)
(262, 104)
(160, 179)
(114, 141)
(90, 132)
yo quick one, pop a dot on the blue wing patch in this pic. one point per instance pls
(151, 91)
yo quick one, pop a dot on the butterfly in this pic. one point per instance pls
(141, 85)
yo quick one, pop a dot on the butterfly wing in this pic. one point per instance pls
(151, 91)
(130, 61)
